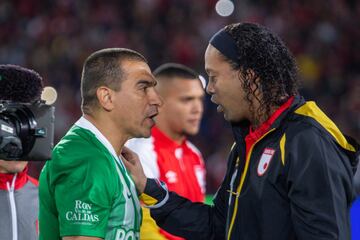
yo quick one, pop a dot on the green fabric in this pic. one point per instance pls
(84, 191)
(209, 199)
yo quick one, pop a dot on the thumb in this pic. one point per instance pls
(129, 155)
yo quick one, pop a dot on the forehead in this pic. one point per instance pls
(181, 86)
(135, 70)
(213, 59)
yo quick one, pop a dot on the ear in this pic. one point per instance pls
(105, 98)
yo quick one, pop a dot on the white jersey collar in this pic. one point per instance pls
(86, 124)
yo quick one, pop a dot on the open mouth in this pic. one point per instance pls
(213, 99)
(152, 115)
(219, 108)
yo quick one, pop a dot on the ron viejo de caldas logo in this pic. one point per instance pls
(82, 213)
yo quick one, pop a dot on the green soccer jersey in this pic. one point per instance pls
(85, 189)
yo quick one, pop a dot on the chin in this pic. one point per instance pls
(14, 166)
(144, 134)
(191, 132)
(231, 118)
(227, 117)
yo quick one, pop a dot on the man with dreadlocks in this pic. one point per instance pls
(19, 202)
(290, 170)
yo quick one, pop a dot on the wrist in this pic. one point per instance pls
(141, 185)
(155, 194)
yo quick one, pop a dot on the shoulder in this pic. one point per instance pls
(80, 154)
(77, 145)
(33, 181)
(76, 139)
(308, 146)
(193, 147)
(309, 119)
(303, 138)
(303, 128)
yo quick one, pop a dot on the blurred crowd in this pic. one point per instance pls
(55, 36)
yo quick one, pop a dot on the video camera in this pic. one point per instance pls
(26, 130)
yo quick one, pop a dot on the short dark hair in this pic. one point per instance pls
(103, 68)
(264, 53)
(19, 84)
(171, 70)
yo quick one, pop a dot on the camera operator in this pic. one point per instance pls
(18, 191)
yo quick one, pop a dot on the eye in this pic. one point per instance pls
(186, 99)
(143, 87)
(212, 79)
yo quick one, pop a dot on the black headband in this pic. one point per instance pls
(223, 42)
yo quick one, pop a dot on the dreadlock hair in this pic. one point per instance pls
(19, 84)
(274, 70)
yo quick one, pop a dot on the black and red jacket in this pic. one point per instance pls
(292, 178)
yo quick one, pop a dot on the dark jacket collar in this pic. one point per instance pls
(241, 129)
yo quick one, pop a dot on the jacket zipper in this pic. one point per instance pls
(11, 190)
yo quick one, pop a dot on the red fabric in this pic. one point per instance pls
(180, 168)
(33, 180)
(21, 179)
(253, 136)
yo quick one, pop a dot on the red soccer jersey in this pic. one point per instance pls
(180, 166)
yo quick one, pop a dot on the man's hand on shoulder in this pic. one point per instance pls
(133, 165)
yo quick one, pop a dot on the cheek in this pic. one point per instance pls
(176, 114)
(182, 110)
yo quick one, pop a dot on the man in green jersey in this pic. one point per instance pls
(85, 190)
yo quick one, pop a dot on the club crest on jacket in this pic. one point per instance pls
(265, 160)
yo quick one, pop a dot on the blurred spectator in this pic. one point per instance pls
(19, 202)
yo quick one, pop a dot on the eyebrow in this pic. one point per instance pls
(202, 96)
(148, 83)
(209, 70)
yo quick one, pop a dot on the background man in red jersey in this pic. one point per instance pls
(168, 155)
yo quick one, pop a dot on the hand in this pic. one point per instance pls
(133, 165)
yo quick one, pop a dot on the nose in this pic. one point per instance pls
(198, 106)
(155, 98)
(210, 88)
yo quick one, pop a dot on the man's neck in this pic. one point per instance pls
(264, 116)
(110, 132)
(260, 118)
(176, 137)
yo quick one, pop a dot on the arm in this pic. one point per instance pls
(148, 159)
(176, 214)
(86, 210)
(149, 230)
(319, 187)
(184, 218)
(357, 180)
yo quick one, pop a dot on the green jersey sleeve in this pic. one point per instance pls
(83, 192)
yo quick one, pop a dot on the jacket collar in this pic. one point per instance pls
(242, 129)
(20, 181)
(165, 140)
